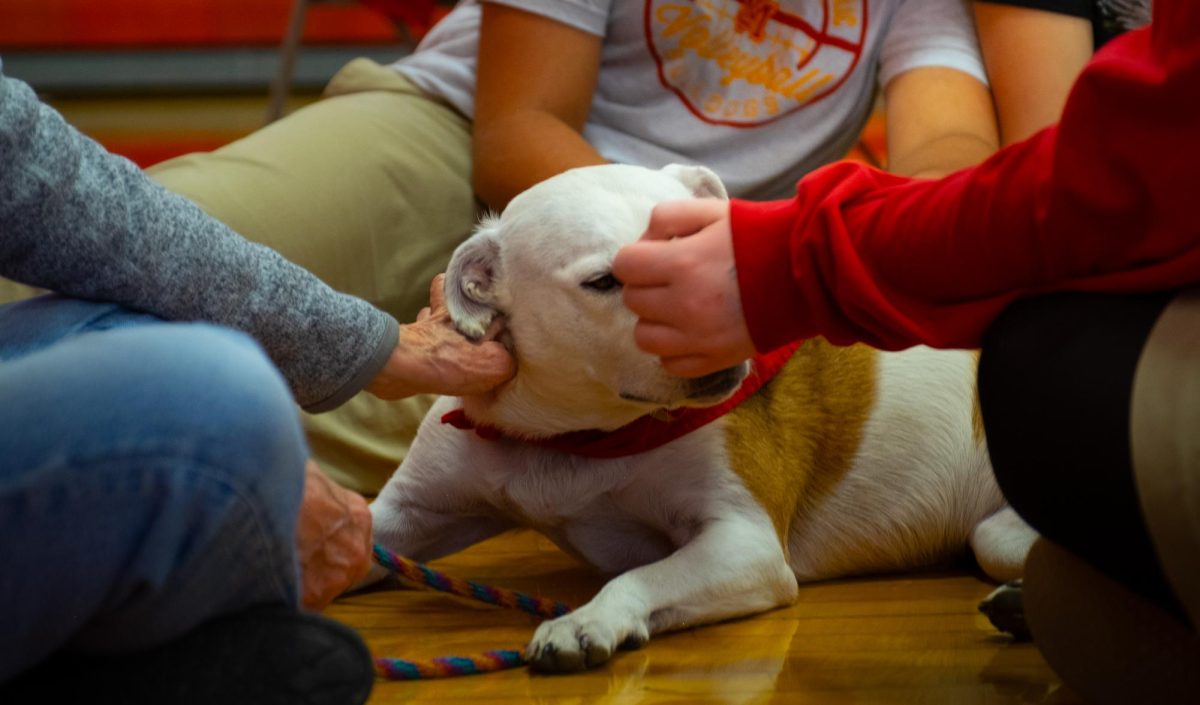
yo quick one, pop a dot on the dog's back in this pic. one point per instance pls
(866, 461)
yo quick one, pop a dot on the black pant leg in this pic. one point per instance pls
(1055, 381)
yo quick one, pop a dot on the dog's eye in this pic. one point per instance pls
(606, 282)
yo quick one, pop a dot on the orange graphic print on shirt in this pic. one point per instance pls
(748, 62)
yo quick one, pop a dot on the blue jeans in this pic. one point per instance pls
(150, 478)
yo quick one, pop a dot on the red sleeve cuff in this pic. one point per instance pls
(772, 303)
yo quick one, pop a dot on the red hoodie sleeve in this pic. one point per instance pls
(1103, 202)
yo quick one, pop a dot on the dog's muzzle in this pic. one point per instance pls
(718, 385)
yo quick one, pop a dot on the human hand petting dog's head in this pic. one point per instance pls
(680, 280)
(545, 265)
(433, 357)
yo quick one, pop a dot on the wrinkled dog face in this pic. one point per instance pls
(546, 265)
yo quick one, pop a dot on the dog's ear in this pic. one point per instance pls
(700, 180)
(471, 280)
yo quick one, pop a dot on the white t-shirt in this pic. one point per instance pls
(761, 91)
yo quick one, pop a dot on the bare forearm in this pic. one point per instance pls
(939, 121)
(521, 149)
(530, 128)
(944, 155)
(1032, 57)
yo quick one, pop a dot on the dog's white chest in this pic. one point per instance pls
(616, 514)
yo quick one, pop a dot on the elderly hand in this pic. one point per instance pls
(333, 539)
(431, 356)
(680, 280)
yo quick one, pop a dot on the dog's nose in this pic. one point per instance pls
(717, 385)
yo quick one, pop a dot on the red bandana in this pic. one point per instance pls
(647, 432)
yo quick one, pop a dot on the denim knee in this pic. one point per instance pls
(236, 423)
(153, 479)
(196, 391)
(224, 391)
(247, 446)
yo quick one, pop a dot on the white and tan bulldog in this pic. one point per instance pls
(848, 461)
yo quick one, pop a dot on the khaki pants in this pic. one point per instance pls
(370, 190)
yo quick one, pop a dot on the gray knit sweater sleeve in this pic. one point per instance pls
(79, 220)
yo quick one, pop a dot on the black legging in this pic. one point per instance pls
(1055, 383)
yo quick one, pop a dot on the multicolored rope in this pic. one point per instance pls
(395, 669)
(445, 666)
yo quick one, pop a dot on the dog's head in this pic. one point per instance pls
(545, 265)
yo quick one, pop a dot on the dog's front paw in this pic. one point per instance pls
(583, 639)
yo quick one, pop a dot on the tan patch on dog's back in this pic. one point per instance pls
(797, 436)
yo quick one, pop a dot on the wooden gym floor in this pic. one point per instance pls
(898, 639)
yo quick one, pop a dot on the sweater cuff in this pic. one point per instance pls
(771, 300)
(385, 343)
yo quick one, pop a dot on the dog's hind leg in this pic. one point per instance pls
(734, 566)
(1001, 542)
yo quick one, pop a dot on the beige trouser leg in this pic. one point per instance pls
(12, 291)
(370, 190)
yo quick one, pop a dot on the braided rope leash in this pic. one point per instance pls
(446, 666)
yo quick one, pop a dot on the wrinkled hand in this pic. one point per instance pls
(333, 539)
(431, 356)
(680, 280)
